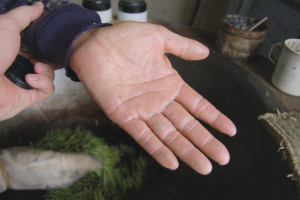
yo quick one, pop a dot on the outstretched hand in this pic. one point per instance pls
(13, 98)
(125, 69)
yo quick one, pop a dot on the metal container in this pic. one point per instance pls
(235, 41)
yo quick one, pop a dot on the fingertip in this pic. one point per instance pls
(41, 82)
(41, 67)
(40, 7)
(201, 51)
(224, 159)
(38, 4)
(206, 170)
(231, 129)
(225, 125)
(201, 165)
(44, 69)
(205, 52)
(166, 158)
(32, 78)
(24, 15)
(173, 166)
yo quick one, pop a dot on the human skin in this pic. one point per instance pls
(125, 69)
(13, 98)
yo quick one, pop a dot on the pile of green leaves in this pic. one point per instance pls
(122, 170)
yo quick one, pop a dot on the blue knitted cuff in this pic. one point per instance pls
(52, 35)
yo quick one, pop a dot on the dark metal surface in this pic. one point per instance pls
(256, 170)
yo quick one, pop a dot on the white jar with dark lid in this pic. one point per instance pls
(102, 7)
(132, 10)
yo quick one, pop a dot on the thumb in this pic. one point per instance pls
(183, 47)
(20, 17)
(11, 24)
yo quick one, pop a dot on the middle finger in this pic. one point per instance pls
(196, 133)
(178, 144)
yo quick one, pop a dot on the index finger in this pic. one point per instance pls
(205, 111)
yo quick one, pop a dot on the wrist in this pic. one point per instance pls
(78, 42)
(86, 52)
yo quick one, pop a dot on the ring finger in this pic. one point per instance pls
(178, 144)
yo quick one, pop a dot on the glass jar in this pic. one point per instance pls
(102, 7)
(132, 10)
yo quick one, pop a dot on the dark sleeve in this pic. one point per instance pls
(7, 5)
(52, 35)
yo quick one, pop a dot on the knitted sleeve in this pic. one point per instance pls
(6, 5)
(52, 35)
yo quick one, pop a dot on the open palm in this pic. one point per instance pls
(125, 69)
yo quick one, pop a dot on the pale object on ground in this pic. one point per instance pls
(24, 168)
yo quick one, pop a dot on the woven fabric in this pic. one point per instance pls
(52, 35)
(285, 129)
(6, 5)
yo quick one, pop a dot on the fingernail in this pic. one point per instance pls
(33, 77)
(37, 3)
